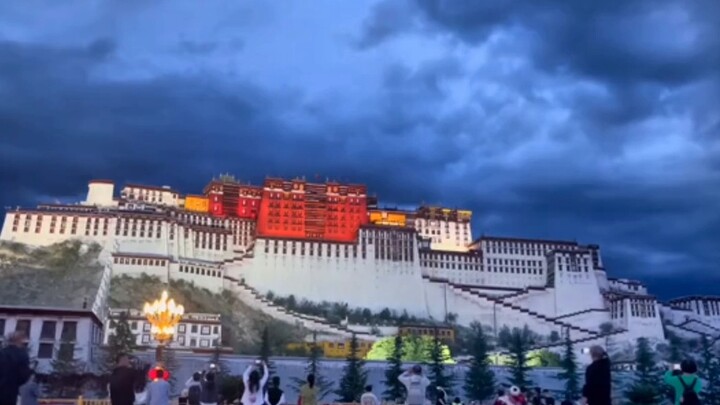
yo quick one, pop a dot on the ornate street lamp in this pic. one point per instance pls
(163, 315)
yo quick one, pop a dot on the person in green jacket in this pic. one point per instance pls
(687, 372)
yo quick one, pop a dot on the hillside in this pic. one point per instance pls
(242, 325)
(62, 275)
(66, 274)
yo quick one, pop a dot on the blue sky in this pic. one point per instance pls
(595, 121)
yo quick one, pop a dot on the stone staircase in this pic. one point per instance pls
(469, 292)
(253, 298)
(584, 311)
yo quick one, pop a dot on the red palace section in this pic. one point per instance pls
(230, 198)
(294, 209)
(300, 210)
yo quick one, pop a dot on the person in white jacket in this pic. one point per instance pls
(368, 398)
(415, 384)
(254, 384)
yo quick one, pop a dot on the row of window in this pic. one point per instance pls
(138, 261)
(200, 271)
(523, 248)
(210, 240)
(62, 229)
(181, 328)
(708, 308)
(420, 223)
(47, 331)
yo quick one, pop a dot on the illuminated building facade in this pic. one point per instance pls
(330, 242)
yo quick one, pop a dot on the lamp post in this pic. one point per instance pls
(163, 315)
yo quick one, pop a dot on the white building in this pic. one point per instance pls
(47, 329)
(195, 330)
(429, 267)
(448, 229)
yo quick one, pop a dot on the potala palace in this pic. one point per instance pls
(333, 242)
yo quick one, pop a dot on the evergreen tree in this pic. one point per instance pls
(65, 378)
(120, 342)
(710, 372)
(394, 388)
(479, 380)
(570, 370)
(438, 358)
(314, 367)
(352, 383)
(645, 387)
(675, 348)
(266, 350)
(518, 342)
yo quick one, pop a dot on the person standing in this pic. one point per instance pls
(194, 389)
(309, 392)
(597, 388)
(685, 383)
(368, 398)
(209, 391)
(274, 395)
(122, 382)
(158, 392)
(254, 384)
(548, 397)
(14, 368)
(30, 392)
(415, 384)
(441, 396)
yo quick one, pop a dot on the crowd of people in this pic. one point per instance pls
(203, 388)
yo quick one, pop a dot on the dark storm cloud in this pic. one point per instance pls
(595, 121)
(670, 42)
(174, 130)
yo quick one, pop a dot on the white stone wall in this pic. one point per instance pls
(445, 235)
(88, 335)
(542, 301)
(576, 290)
(37, 228)
(361, 282)
(100, 194)
(515, 264)
(203, 275)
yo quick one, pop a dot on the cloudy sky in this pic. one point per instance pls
(587, 120)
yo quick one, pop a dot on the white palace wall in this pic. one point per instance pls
(542, 301)
(361, 282)
(385, 268)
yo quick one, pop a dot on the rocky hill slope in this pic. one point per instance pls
(63, 275)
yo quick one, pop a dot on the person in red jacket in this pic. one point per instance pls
(513, 397)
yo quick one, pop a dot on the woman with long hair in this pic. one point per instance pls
(309, 392)
(254, 384)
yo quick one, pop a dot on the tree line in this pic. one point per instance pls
(643, 385)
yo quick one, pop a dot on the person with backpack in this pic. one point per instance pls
(415, 385)
(194, 389)
(685, 383)
(274, 395)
